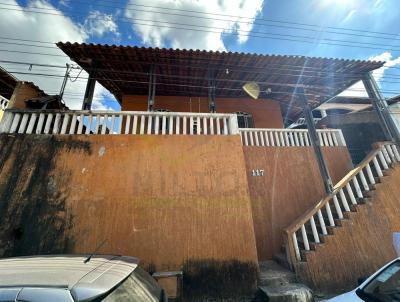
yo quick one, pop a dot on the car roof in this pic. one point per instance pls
(82, 279)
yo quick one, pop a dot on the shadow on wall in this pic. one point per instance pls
(35, 215)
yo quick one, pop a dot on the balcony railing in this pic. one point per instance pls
(109, 122)
(290, 137)
(3, 103)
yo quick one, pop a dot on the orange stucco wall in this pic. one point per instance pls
(164, 199)
(266, 113)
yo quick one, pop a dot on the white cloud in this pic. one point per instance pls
(20, 24)
(358, 89)
(97, 24)
(165, 35)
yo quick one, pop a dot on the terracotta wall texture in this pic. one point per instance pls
(164, 199)
(290, 186)
(266, 113)
(363, 244)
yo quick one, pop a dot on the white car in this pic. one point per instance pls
(382, 286)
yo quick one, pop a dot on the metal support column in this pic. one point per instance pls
(91, 84)
(315, 141)
(152, 90)
(380, 105)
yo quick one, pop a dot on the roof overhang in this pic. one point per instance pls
(124, 70)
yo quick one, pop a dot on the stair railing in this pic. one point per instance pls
(315, 223)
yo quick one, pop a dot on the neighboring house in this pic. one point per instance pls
(193, 174)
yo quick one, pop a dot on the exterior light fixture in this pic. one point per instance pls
(252, 89)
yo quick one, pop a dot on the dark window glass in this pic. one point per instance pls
(139, 286)
(245, 120)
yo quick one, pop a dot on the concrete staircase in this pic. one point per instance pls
(278, 284)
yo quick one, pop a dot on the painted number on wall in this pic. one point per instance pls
(257, 172)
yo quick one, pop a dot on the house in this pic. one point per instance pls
(192, 171)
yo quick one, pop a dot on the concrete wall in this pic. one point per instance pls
(266, 113)
(22, 92)
(290, 186)
(361, 246)
(164, 199)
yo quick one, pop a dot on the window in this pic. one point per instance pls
(245, 120)
(139, 286)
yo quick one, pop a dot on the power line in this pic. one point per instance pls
(237, 32)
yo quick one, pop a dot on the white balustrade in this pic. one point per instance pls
(3, 103)
(353, 185)
(289, 137)
(125, 122)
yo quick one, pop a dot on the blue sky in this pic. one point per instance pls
(135, 22)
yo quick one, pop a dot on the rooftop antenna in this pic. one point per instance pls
(253, 89)
(95, 251)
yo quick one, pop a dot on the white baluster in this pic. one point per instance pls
(256, 138)
(377, 167)
(246, 141)
(369, 174)
(266, 139)
(386, 155)
(390, 152)
(251, 138)
(192, 125)
(307, 141)
(73, 124)
(149, 124)
(205, 127)
(199, 126)
(142, 124)
(296, 139)
(40, 124)
(120, 120)
(164, 125)
(291, 139)
(324, 137)
(225, 126)
(184, 125)
(383, 160)
(112, 124)
(64, 124)
(278, 143)
(321, 140)
(305, 239)
(104, 124)
(314, 230)
(351, 194)
(31, 124)
(135, 124)
(157, 125)
(282, 140)
(97, 125)
(335, 140)
(285, 134)
(357, 187)
(211, 125)
(301, 139)
(15, 123)
(80, 126)
(396, 152)
(48, 123)
(262, 138)
(344, 200)
(322, 223)
(329, 213)
(364, 180)
(296, 246)
(128, 124)
(56, 123)
(89, 125)
(218, 126)
(24, 123)
(330, 141)
(171, 125)
(178, 120)
(337, 207)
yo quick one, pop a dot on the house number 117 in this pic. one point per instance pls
(258, 172)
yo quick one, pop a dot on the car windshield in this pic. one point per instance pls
(385, 286)
(139, 286)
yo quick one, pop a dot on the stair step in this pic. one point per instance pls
(292, 292)
(282, 260)
(274, 274)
